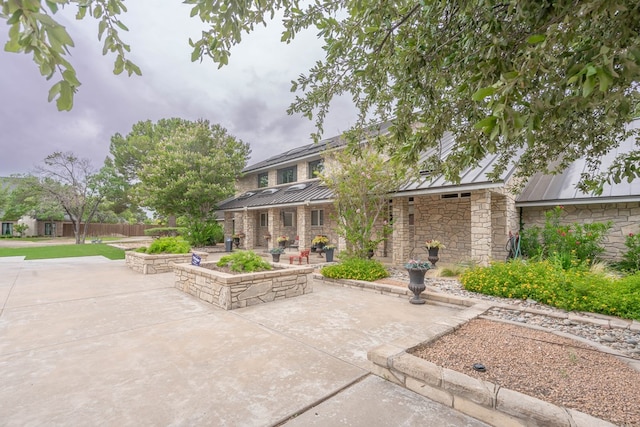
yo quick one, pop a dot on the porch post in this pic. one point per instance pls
(481, 227)
(402, 242)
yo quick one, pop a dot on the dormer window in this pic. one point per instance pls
(287, 175)
(263, 179)
(315, 167)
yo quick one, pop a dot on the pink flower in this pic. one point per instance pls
(630, 234)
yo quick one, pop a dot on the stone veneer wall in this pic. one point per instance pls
(231, 291)
(160, 263)
(625, 218)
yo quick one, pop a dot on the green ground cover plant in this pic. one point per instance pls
(244, 261)
(64, 251)
(356, 269)
(167, 245)
(572, 289)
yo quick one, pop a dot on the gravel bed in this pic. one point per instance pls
(623, 341)
(541, 364)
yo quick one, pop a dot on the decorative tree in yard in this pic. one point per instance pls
(361, 180)
(74, 185)
(190, 171)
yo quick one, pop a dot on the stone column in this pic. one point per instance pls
(249, 223)
(228, 224)
(303, 225)
(481, 227)
(402, 242)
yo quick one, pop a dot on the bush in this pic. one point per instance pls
(163, 231)
(573, 289)
(356, 269)
(203, 233)
(169, 245)
(244, 261)
(631, 259)
(568, 245)
(142, 249)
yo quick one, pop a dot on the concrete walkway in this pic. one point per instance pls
(86, 341)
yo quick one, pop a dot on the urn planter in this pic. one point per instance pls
(433, 255)
(416, 284)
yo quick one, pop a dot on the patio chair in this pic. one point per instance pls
(295, 244)
(303, 254)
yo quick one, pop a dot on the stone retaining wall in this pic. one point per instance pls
(157, 263)
(231, 291)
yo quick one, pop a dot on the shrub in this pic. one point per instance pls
(169, 245)
(142, 249)
(631, 259)
(356, 269)
(568, 245)
(244, 261)
(163, 231)
(573, 289)
(203, 233)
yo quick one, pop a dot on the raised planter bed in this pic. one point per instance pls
(231, 291)
(160, 263)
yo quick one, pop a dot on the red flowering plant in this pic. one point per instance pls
(631, 259)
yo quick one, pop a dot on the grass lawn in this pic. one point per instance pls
(64, 251)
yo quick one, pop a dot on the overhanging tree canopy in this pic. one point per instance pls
(538, 83)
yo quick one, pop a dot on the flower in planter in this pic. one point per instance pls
(282, 239)
(320, 240)
(417, 265)
(276, 250)
(238, 235)
(434, 244)
(329, 247)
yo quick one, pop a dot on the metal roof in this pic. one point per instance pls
(549, 190)
(309, 150)
(288, 194)
(471, 178)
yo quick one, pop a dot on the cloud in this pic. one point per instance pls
(249, 97)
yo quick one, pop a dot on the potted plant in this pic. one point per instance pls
(318, 242)
(275, 253)
(282, 241)
(417, 269)
(329, 250)
(236, 238)
(433, 246)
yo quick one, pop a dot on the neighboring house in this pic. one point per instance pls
(281, 196)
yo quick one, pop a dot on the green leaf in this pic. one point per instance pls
(54, 91)
(65, 100)
(588, 86)
(482, 93)
(536, 38)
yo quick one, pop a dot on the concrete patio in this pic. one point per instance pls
(86, 341)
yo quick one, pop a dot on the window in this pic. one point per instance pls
(263, 179)
(48, 228)
(315, 167)
(7, 228)
(317, 217)
(264, 220)
(287, 175)
(287, 219)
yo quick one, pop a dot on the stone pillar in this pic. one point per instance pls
(303, 226)
(249, 226)
(481, 227)
(228, 224)
(402, 241)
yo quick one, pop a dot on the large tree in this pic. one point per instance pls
(537, 82)
(191, 170)
(27, 197)
(75, 185)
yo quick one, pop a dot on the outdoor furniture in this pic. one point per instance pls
(295, 243)
(302, 254)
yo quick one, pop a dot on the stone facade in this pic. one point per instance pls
(231, 291)
(624, 216)
(160, 263)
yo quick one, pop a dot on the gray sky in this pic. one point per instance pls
(249, 97)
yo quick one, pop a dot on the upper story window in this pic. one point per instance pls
(315, 167)
(317, 218)
(287, 175)
(263, 179)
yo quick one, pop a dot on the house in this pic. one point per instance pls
(281, 196)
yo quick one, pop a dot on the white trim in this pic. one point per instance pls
(445, 190)
(592, 201)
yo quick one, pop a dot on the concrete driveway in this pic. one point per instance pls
(86, 341)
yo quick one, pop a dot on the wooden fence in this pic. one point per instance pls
(124, 230)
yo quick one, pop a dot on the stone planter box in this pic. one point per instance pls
(230, 291)
(160, 263)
